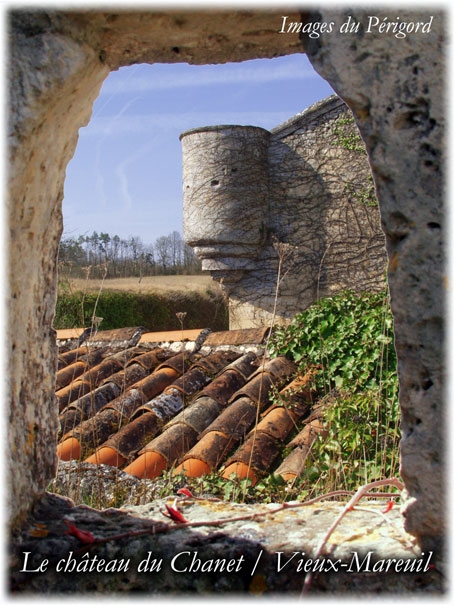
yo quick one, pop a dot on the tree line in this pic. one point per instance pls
(102, 255)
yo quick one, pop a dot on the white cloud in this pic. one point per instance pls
(153, 77)
(150, 124)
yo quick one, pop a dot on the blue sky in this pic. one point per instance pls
(126, 175)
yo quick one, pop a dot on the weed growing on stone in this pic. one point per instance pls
(349, 338)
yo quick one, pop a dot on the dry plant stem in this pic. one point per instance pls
(282, 250)
(163, 528)
(348, 507)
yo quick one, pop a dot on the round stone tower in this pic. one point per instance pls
(226, 196)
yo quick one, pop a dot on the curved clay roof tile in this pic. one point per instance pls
(72, 392)
(151, 359)
(216, 361)
(71, 356)
(149, 465)
(155, 383)
(133, 436)
(229, 380)
(278, 367)
(179, 435)
(223, 387)
(243, 365)
(69, 373)
(172, 444)
(103, 370)
(191, 381)
(181, 363)
(87, 406)
(138, 432)
(293, 465)
(125, 405)
(89, 434)
(197, 415)
(210, 451)
(256, 389)
(235, 420)
(257, 454)
(127, 377)
(170, 399)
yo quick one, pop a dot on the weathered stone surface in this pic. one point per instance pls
(55, 80)
(243, 188)
(57, 62)
(395, 90)
(266, 553)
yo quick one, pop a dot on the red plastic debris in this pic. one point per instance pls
(185, 492)
(83, 535)
(174, 514)
(388, 506)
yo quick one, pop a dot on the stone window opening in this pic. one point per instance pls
(75, 55)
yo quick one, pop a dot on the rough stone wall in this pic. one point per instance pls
(55, 81)
(395, 89)
(301, 196)
(57, 63)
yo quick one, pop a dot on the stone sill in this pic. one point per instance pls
(259, 555)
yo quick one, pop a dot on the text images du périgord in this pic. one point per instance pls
(373, 24)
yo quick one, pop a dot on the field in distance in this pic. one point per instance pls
(156, 283)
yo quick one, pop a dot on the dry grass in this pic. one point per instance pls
(158, 283)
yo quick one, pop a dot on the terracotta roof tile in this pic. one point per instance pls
(170, 336)
(69, 333)
(124, 335)
(237, 337)
(68, 357)
(125, 401)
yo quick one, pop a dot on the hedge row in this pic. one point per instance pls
(156, 312)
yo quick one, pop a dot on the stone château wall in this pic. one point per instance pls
(299, 200)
